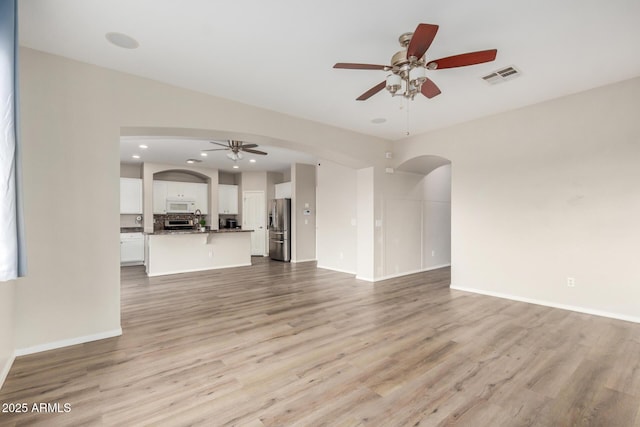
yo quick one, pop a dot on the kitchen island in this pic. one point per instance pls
(172, 252)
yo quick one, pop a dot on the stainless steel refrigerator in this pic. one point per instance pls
(280, 229)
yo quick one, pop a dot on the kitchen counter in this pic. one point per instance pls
(131, 229)
(222, 230)
(183, 251)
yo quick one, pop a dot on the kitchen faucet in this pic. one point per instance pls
(198, 214)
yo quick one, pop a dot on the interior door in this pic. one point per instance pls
(254, 218)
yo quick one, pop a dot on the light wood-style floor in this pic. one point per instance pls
(279, 344)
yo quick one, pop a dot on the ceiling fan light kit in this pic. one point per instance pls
(409, 67)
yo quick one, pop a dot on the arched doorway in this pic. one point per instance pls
(431, 205)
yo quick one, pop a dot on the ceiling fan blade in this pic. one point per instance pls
(250, 150)
(429, 89)
(368, 94)
(249, 145)
(421, 40)
(350, 66)
(219, 143)
(217, 149)
(464, 59)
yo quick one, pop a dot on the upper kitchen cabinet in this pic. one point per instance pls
(163, 191)
(202, 197)
(130, 196)
(283, 190)
(227, 199)
(159, 197)
(181, 190)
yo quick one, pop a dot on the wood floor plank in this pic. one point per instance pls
(280, 344)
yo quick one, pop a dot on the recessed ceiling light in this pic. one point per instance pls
(236, 166)
(122, 40)
(144, 147)
(379, 120)
(190, 161)
(136, 156)
(203, 154)
(252, 160)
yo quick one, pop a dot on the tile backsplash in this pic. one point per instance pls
(159, 219)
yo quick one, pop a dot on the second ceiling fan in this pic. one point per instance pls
(408, 66)
(236, 148)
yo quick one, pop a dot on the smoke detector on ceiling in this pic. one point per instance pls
(502, 75)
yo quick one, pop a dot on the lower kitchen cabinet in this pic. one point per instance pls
(131, 248)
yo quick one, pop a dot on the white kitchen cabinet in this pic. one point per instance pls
(283, 190)
(202, 197)
(227, 199)
(130, 196)
(181, 190)
(131, 248)
(160, 197)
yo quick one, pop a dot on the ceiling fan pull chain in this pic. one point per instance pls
(407, 109)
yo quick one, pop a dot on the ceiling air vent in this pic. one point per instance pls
(502, 75)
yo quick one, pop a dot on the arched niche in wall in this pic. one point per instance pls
(436, 208)
(423, 165)
(181, 175)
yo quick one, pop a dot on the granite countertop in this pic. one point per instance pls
(131, 229)
(222, 230)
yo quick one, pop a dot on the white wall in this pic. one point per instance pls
(337, 217)
(7, 341)
(544, 193)
(416, 221)
(303, 197)
(72, 117)
(436, 218)
(402, 223)
(365, 185)
(131, 170)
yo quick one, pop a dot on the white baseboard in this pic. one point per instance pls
(4, 372)
(296, 261)
(68, 342)
(167, 273)
(578, 309)
(336, 269)
(406, 273)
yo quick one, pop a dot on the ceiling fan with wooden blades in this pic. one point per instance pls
(409, 67)
(236, 148)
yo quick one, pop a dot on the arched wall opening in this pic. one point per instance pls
(416, 208)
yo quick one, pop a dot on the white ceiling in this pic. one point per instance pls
(279, 54)
(175, 151)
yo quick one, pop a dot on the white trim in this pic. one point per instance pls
(166, 273)
(295, 261)
(578, 309)
(68, 342)
(422, 270)
(407, 273)
(6, 368)
(336, 269)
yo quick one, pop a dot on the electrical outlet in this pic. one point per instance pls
(571, 282)
(433, 253)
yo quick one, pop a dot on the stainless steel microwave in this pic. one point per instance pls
(181, 206)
